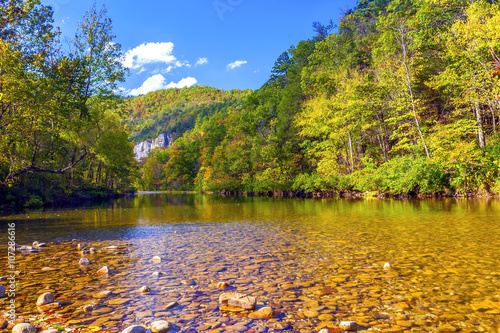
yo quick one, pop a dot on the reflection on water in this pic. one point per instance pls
(316, 261)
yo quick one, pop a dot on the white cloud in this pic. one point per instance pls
(141, 70)
(186, 82)
(236, 64)
(157, 82)
(201, 61)
(149, 53)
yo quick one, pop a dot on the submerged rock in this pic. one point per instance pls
(23, 328)
(45, 298)
(134, 329)
(263, 313)
(145, 289)
(48, 307)
(387, 266)
(171, 305)
(84, 262)
(160, 326)
(222, 285)
(238, 300)
(348, 325)
(103, 271)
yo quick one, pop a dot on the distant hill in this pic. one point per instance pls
(176, 110)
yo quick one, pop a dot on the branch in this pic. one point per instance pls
(30, 169)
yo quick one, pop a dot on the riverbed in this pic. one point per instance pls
(316, 263)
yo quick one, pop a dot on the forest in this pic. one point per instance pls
(402, 98)
(63, 135)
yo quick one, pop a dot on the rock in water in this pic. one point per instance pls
(160, 326)
(84, 262)
(145, 289)
(134, 329)
(51, 330)
(222, 285)
(263, 313)
(348, 325)
(49, 307)
(171, 305)
(387, 266)
(238, 300)
(157, 273)
(103, 271)
(156, 258)
(45, 298)
(23, 328)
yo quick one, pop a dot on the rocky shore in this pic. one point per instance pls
(135, 287)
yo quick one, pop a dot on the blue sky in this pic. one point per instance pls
(226, 44)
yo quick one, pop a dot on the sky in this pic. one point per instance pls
(226, 44)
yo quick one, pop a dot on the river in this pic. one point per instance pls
(315, 262)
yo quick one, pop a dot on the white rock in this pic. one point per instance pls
(51, 330)
(35, 243)
(387, 266)
(92, 250)
(160, 326)
(348, 325)
(134, 329)
(79, 246)
(324, 330)
(156, 258)
(145, 289)
(2, 291)
(103, 271)
(157, 273)
(23, 328)
(84, 262)
(45, 298)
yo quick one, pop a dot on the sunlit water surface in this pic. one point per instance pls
(316, 262)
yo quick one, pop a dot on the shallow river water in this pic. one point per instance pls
(315, 262)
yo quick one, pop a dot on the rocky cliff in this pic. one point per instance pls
(142, 149)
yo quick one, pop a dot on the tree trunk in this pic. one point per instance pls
(350, 150)
(480, 131)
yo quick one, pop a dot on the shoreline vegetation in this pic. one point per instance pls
(401, 99)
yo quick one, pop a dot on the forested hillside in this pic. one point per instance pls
(62, 135)
(403, 98)
(176, 110)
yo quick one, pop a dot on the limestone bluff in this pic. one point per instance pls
(142, 149)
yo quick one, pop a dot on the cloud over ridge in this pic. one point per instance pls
(158, 82)
(236, 64)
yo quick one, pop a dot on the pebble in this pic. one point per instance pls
(171, 305)
(264, 313)
(23, 328)
(348, 325)
(84, 262)
(145, 289)
(387, 266)
(222, 285)
(156, 273)
(156, 258)
(160, 326)
(51, 330)
(45, 298)
(103, 271)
